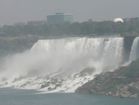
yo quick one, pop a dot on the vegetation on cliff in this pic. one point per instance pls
(87, 28)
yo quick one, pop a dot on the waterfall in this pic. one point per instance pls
(63, 57)
(134, 54)
(77, 53)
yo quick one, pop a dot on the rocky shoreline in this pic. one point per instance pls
(123, 82)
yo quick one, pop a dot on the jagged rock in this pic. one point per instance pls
(123, 82)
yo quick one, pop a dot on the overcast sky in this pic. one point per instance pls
(12, 11)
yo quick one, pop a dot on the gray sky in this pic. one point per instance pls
(12, 11)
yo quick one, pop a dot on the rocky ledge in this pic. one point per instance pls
(123, 82)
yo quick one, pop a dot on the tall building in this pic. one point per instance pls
(59, 18)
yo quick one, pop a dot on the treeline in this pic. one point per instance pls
(130, 26)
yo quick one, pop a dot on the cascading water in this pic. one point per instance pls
(134, 50)
(61, 58)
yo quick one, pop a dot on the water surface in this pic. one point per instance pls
(31, 97)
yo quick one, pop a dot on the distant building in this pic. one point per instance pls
(59, 18)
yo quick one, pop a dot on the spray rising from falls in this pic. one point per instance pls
(62, 64)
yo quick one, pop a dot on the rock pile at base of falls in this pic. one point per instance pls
(124, 82)
(53, 83)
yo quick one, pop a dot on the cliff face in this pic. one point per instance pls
(124, 82)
